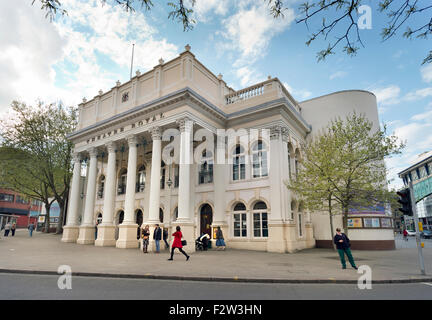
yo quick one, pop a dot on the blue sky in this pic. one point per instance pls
(75, 56)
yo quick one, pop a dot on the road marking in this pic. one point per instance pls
(428, 284)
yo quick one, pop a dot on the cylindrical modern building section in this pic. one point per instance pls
(369, 230)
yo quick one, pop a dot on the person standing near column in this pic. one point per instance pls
(145, 236)
(343, 246)
(157, 237)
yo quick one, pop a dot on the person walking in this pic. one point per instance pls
(165, 238)
(13, 228)
(7, 229)
(343, 246)
(177, 243)
(157, 236)
(220, 242)
(30, 229)
(145, 237)
(405, 235)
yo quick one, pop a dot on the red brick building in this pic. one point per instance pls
(24, 210)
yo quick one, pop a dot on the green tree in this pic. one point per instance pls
(37, 154)
(343, 168)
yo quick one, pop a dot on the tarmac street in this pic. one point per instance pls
(46, 253)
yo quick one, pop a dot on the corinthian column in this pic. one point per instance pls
(276, 241)
(71, 229)
(106, 230)
(185, 209)
(155, 176)
(128, 229)
(87, 229)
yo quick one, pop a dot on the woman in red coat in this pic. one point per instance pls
(177, 243)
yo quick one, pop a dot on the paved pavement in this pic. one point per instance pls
(45, 252)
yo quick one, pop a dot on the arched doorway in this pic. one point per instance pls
(119, 220)
(206, 217)
(161, 215)
(139, 221)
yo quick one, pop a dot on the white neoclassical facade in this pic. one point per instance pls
(176, 146)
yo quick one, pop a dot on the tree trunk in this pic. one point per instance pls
(59, 228)
(345, 219)
(331, 223)
(47, 217)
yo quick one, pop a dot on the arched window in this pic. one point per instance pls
(259, 159)
(161, 215)
(162, 178)
(101, 187)
(293, 208)
(290, 156)
(260, 219)
(239, 166)
(140, 184)
(121, 189)
(175, 215)
(296, 161)
(300, 222)
(240, 220)
(176, 176)
(205, 174)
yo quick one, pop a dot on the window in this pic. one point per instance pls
(175, 216)
(161, 215)
(289, 160)
(176, 176)
(121, 189)
(6, 197)
(36, 203)
(371, 222)
(240, 222)
(300, 227)
(125, 97)
(140, 184)
(205, 174)
(296, 164)
(418, 173)
(293, 208)
(162, 179)
(101, 187)
(239, 166)
(259, 160)
(99, 218)
(427, 169)
(21, 200)
(260, 220)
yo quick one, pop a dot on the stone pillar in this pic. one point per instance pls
(276, 241)
(219, 180)
(128, 229)
(154, 200)
(71, 229)
(87, 228)
(106, 230)
(185, 209)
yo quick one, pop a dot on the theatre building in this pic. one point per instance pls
(177, 146)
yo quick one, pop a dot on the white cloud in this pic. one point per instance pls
(388, 95)
(426, 73)
(423, 116)
(87, 48)
(204, 9)
(418, 94)
(251, 29)
(298, 94)
(338, 74)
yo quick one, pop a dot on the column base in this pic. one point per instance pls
(70, 234)
(276, 241)
(86, 235)
(106, 236)
(127, 236)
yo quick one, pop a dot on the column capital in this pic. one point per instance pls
(156, 133)
(275, 132)
(76, 156)
(132, 140)
(92, 152)
(285, 134)
(111, 146)
(185, 124)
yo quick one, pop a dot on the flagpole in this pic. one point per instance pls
(133, 45)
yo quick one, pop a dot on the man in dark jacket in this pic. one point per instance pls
(343, 246)
(157, 236)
